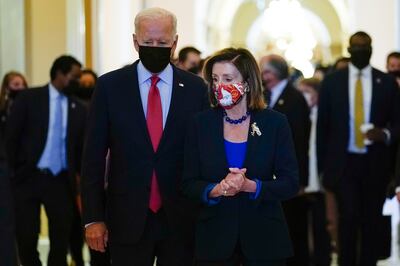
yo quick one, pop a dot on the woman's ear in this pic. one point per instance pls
(246, 86)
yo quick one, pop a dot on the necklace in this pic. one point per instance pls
(235, 121)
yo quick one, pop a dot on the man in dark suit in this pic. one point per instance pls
(44, 144)
(7, 231)
(358, 119)
(284, 98)
(139, 113)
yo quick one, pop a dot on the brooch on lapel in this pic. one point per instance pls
(73, 105)
(255, 129)
(281, 102)
(181, 85)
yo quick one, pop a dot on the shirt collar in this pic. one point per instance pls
(365, 72)
(278, 88)
(53, 92)
(165, 75)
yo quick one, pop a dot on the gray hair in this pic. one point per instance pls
(155, 13)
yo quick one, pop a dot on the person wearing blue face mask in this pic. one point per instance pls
(139, 114)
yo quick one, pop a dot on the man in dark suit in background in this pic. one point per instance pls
(7, 231)
(44, 144)
(358, 119)
(139, 113)
(284, 98)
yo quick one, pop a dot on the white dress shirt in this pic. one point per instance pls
(276, 91)
(313, 179)
(366, 80)
(164, 86)
(45, 160)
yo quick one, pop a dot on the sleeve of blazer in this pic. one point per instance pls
(94, 157)
(14, 129)
(394, 126)
(323, 124)
(286, 182)
(192, 186)
(302, 129)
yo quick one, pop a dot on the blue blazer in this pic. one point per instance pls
(258, 224)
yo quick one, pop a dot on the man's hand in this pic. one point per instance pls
(376, 135)
(97, 236)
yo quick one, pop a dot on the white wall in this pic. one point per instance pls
(12, 36)
(381, 20)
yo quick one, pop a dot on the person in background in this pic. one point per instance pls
(44, 140)
(358, 120)
(284, 98)
(239, 165)
(341, 63)
(139, 115)
(393, 65)
(13, 82)
(320, 251)
(189, 59)
(87, 83)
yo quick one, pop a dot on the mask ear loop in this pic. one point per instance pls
(246, 87)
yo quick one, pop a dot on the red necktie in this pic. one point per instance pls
(155, 128)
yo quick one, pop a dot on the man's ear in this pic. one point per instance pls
(135, 42)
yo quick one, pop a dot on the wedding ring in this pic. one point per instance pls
(224, 192)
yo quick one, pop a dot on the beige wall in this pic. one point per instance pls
(45, 37)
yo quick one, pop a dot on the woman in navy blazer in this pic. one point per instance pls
(239, 164)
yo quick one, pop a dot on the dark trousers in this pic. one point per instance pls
(238, 259)
(320, 251)
(296, 216)
(55, 194)
(360, 197)
(76, 238)
(98, 258)
(158, 240)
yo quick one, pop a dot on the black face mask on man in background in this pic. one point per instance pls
(395, 73)
(360, 56)
(84, 93)
(154, 58)
(72, 88)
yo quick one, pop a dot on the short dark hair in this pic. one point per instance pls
(246, 64)
(64, 64)
(183, 53)
(90, 72)
(360, 34)
(393, 54)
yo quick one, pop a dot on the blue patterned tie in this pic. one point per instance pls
(56, 160)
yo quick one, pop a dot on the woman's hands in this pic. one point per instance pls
(234, 182)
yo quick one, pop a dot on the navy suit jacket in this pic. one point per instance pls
(117, 123)
(27, 129)
(292, 104)
(333, 130)
(259, 224)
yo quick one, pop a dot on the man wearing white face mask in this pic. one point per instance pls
(315, 197)
(287, 100)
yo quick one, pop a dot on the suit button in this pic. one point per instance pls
(273, 177)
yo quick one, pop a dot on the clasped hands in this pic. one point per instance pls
(234, 182)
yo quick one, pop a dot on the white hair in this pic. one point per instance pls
(155, 13)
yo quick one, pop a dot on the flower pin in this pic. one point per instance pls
(255, 129)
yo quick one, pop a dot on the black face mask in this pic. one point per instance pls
(154, 59)
(84, 93)
(72, 88)
(195, 70)
(360, 57)
(13, 93)
(395, 74)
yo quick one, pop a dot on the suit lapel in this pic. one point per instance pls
(137, 114)
(44, 114)
(252, 141)
(376, 83)
(175, 107)
(280, 103)
(218, 140)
